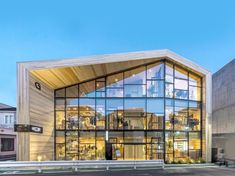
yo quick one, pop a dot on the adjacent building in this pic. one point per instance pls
(129, 106)
(223, 96)
(7, 134)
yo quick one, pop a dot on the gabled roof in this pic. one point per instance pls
(60, 73)
(4, 107)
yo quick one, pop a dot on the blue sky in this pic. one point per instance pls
(200, 30)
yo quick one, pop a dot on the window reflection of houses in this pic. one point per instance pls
(128, 115)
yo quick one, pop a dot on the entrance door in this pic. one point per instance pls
(108, 153)
(134, 152)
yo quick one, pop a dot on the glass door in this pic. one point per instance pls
(134, 152)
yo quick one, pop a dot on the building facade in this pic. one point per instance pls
(223, 96)
(131, 106)
(7, 134)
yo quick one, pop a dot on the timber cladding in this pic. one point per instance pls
(41, 112)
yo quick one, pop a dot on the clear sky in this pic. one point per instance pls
(200, 30)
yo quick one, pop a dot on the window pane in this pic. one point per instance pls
(60, 93)
(60, 104)
(181, 94)
(71, 145)
(87, 89)
(71, 104)
(135, 90)
(169, 90)
(154, 121)
(194, 145)
(87, 113)
(169, 121)
(72, 91)
(180, 145)
(60, 120)
(169, 73)
(115, 137)
(194, 117)
(100, 146)
(135, 76)
(155, 105)
(134, 136)
(155, 88)
(155, 71)
(60, 151)
(100, 114)
(194, 93)
(72, 120)
(114, 104)
(115, 80)
(100, 86)
(116, 119)
(169, 145)
(181, 120)
(194, 80)
(87, 146)
(114, 92)
(134, 105)
(181, 84)
(180, 73)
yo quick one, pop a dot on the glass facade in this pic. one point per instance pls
(153, 111)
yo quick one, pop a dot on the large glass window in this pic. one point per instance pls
(127, 115)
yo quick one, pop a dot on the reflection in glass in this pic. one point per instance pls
(169, 73)
(134, 136)
(194, 80)
(60, 93)
(194, 93)
(155, 105)
(125, 115)
(115, 80)
(155, 121)
(155, 71)
(135, 76)
(60, 120)
(135, 90)
(180, 144)
(169, 90)
(87, 89)
(71, 145)
(181, 73)
(194, 145)
(155, 88)
(87, 149)
(72, 91)
(114, 92)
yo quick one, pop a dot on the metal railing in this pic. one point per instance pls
(39, 166)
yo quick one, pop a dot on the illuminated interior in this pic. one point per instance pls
(148, 112)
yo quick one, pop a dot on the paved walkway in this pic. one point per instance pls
(208, 171)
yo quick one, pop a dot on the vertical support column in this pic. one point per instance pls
(23, 139)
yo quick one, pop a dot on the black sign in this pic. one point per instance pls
(21, 128)
(38, 85)
(36, 129)
(27, 128)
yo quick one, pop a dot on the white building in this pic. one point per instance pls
(7, 134)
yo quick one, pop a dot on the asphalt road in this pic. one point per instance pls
(210, 171)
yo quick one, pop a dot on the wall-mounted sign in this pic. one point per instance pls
(27, 128)
(38, 85)
(36, 129)
(21, 128)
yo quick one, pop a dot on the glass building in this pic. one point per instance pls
(131, 106)
(152, 111)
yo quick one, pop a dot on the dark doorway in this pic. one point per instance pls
(108, 153)
(214, 155)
